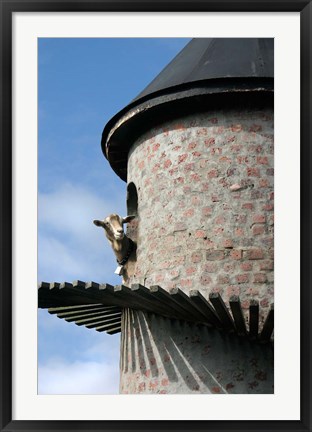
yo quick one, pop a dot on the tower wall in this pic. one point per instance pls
(163, 356)
(205, 204)
(205, 222)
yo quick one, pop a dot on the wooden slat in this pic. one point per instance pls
(268, 326)
(177, 311)
(89, 318)
(184, 301)
(222, 312)
(253, 319)
(86, 312)
(105, 292)
(113, 330)
(206, 309)
(103, 321)
(106, 327)
(129, 298)
(238, 315)
(75, 308)
(153, 304)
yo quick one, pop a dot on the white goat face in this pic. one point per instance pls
(113, 225)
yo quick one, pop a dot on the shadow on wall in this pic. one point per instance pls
(190, 359)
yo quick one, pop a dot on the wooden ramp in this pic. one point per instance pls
(99, 306)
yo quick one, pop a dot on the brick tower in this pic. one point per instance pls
(196, 150)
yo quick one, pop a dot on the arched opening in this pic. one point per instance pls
(132, 199)
(132, 209)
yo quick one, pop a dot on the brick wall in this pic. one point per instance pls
(205, 203)
(162, 356)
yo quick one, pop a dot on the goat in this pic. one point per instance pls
(124, 248)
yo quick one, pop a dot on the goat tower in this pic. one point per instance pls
(196, 149)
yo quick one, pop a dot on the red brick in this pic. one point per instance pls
(188, 213)
(165, 382)
(215, 389)
(242, 159)
(235, 148)
(186, 283)
(266, 265)
(240, 218)
(196, 257)
(232, 290)
(209, 142)
(167, 163)
(182, 158)
(264, 183)
(214, 255)
(192, 145)
(200, 234)
(236, 254)
(268, 207)
(248, 206)
(189, 166)
(258, 230)
(227, 243)
(190, 270)
(255, 254)
(153, 385)
(201, 131)
(156, 147)
(216, 151)
(213, 173)
(260, 278)
(239, 232)
(195, 177)
(220, 220)
(231, 139)
(242, 278)
(211, 267)
(246, 266)
(253, 172)
(262, 160)
(223, 279)
(206, 211)
(264, 302)
(205, 279)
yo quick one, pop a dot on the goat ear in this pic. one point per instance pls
(98, 223)
(127, 219)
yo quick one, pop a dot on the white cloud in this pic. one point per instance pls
(71, 209)
(61, 377)
(70, 245)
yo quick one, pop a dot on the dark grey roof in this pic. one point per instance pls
(205, 59)
(221, 71)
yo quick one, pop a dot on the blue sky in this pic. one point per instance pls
(82, 83)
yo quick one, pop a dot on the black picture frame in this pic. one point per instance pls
(7, 8)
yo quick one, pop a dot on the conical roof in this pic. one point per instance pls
(206, 68)
(206, 59)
